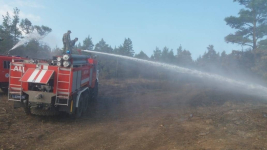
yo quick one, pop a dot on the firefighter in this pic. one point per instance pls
(72, 43)
(66, 41)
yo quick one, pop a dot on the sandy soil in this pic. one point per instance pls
(145, 114)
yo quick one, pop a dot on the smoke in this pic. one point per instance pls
(32, 36)
(51, 40)
(252, 88)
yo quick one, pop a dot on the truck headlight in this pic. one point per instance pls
(66, 57)
(66, 63)
(59, 58)
(59, 63)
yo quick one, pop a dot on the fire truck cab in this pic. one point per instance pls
(4, 71)
(66, 83)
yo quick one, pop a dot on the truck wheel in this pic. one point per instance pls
(79, 110)
(86, 99)
(5, 90)
(27, 109)
(95, 91)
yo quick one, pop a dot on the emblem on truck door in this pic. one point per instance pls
(6, 75)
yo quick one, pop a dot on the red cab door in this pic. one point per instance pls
(4, 69)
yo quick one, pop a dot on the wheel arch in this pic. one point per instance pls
(79, 95)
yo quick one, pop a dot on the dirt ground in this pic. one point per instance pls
(145, 114)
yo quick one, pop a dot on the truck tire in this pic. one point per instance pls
(80, 108)
(27, 110)
(86, 101)
(94, 92)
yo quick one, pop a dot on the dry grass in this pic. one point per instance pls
(145, 114)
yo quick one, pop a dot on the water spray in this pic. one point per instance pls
(244, 85)
(32, 36)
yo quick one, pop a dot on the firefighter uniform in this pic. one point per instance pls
(72, 44)
(66, 41)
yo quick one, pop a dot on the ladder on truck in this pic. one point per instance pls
(63, 94)
(15, 89)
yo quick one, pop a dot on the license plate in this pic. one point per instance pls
(18, 96)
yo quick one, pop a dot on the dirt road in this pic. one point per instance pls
(145, 114)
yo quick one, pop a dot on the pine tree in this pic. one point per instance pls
(26, 26)
(126, 49)
(42, 30)
(102, 46)
(251, 24)
(88, 44)
(211, 56)
(15, 32)
(156, 54)
(183, 57)
(141, 55)
(164, 54)
(171, 57)
(5, 33)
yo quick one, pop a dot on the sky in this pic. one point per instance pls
(193, 24)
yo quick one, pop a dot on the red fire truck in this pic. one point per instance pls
(4, 71)
(46, 87)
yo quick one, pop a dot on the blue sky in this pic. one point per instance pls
(193, 24)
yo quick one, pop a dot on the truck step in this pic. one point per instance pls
(10, 99)
(15, 92)
(63, 97)
(62, 89)
(16, 89)
(61, 104)
(62, 93)
(62, 101)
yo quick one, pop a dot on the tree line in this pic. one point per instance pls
(251, 61)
